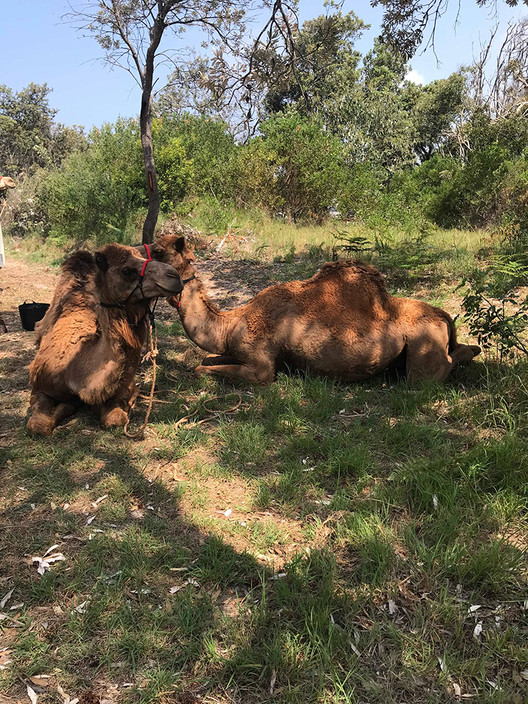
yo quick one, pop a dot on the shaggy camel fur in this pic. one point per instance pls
(91, 337)
(341, 322)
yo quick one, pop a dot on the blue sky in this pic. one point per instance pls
(38, 46)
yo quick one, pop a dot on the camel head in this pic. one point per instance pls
(173, 250)
(120, 280)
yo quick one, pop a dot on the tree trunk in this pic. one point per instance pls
(145, 123)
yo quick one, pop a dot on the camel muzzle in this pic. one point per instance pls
(175, 283)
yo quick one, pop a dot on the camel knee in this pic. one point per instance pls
(40, 424)
(42, 414)
(113, 417)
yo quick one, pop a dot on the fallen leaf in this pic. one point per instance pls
(5, 658)
(32, 694)
(354, 649)
(477, 630)
(40, 680)
(272, 681)
(66, 697)
(45, 562)
(51, 549)
(6, 598)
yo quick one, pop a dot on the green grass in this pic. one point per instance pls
(366, 520)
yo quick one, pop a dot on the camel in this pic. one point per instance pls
(342, 322)
(90, 340)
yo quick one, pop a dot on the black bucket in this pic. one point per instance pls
(31, 313)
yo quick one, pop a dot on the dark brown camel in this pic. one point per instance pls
(91, 337)
(341, 322)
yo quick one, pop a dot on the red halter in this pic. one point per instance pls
(147, 260)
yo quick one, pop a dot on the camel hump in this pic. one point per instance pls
(354, 271)
(81, 265)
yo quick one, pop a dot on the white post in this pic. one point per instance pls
(2, 251)
(5, 183)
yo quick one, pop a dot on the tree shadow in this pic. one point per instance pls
(231, 626)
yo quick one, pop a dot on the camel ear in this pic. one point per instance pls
(101, 261)
(179, 245)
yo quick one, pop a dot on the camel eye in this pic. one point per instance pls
(129, 273)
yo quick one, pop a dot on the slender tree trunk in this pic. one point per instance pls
(145, 124)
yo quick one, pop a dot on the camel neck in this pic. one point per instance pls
(204, 323)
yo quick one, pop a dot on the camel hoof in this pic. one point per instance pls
(200, 371)
(40, 425)
(116, 417)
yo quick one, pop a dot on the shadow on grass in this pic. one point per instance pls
(146, 596)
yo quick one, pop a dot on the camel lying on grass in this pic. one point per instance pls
(91, 337)
(342, 322)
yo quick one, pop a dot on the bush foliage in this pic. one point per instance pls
(342, 135)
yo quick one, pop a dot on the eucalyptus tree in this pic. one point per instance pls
(405, 22)
(130, 33)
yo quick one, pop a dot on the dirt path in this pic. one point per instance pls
(21, 280)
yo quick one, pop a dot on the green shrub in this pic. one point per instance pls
(96, 193)
(175, 173)
(497, 314)
(296, 166)
(210, 147)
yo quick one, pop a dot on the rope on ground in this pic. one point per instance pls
(212, 414)
(151, 355)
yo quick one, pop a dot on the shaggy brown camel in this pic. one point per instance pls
(341, 322)
(91, 337)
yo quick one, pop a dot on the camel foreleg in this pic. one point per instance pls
(47, 413)
(218, 359)
(114, 412)
(255, 373)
